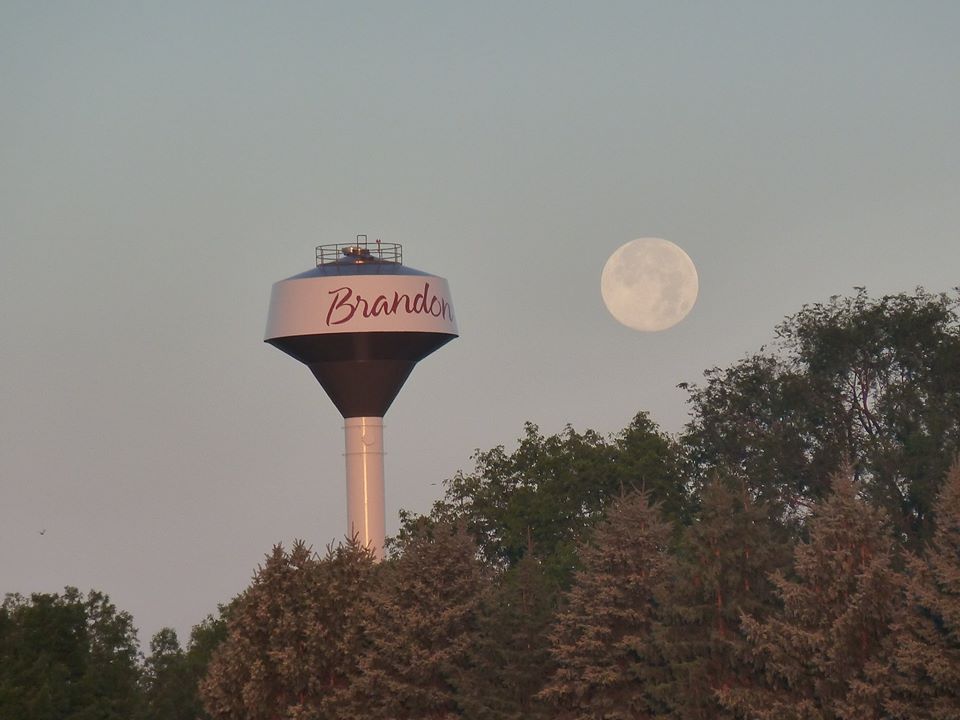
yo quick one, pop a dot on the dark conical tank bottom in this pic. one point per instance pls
(362, 372)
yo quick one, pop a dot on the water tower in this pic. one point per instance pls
(360, 320)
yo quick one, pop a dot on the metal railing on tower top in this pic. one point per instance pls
(361, 251)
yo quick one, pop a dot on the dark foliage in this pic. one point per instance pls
(288, 649)
(921, 679)
(552, 490)
(608, 664)
(417, 626)
(67, 657)
(724, 563)
(509, 658)
(732, 574)
(875, 383)
(834, 620)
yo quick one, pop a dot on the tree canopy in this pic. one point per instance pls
(921, 676)
(288, 637)
(871, 382)
(551, 490)
(794, 553)
(833, 621)
(69, 656)
(603, 640)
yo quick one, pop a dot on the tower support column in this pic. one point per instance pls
(365, 494)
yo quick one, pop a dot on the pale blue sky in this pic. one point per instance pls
(162, 164)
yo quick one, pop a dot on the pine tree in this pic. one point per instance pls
(922, 678)
(602, 641)
(286, 653)
(510, 657)
(419, 622)
(725, 558)
(833, 622)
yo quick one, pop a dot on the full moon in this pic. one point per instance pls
(649, 284)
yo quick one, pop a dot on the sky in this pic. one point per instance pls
(162, 164)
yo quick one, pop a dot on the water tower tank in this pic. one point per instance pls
(360, 320)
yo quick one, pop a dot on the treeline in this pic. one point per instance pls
(70, 656)
(794, 553)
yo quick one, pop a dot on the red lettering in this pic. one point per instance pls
(345, 305)
(396, 302)
(380, 306)
(338, 303)
(366, 308)
(420, 299)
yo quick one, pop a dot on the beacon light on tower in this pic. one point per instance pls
(360, 321)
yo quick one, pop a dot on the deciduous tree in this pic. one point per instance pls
(552, 490)
(875, 381)
(169, 693)
(172, 674)
(67, 656)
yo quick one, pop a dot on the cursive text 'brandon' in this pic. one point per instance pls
(345, 304)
